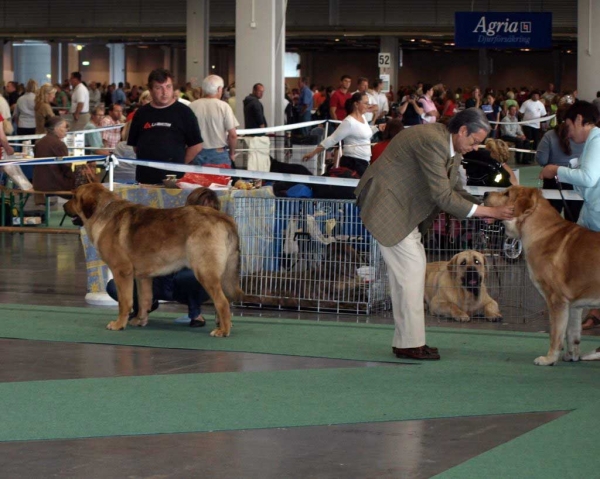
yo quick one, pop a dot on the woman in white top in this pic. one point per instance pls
(356, 133)
(25, 110)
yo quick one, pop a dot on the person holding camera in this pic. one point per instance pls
(411, 110)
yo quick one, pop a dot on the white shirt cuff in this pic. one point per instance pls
(472, 212)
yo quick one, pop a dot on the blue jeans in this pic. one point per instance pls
(306, 116)
(213, 156)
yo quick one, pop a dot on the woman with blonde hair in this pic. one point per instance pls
(25, 110)
(43, 108)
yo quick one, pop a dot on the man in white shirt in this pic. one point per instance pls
(217, 124)
(372, 110)
(532, 109)
(511, 130)
(95, 95)
(80, 103)
(381, 98)
(6, 114)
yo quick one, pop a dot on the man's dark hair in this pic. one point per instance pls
(376, 83)
(160, 75)
(426, 87)
(76, 75)
(598, 94)
(343, 77)
(359, 80)
(589, 113)
(473, 118)
(112, 106)
(256, 85)
(120, 84)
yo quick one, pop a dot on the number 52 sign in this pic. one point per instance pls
(384, 60)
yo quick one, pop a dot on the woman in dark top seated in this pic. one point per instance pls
(54, 177)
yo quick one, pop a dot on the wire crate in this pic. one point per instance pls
(309, 255)
(507, 278)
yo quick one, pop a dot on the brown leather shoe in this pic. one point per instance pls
(421, 353)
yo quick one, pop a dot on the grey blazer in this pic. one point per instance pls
(410, 183)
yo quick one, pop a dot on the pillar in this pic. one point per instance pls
(588, 49)
(197, 41)
(392, 46)
(116, 63)
(259, 55)
(55, 61)
(484, 69)
(72, 59)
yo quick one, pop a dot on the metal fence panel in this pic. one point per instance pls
(309, 255)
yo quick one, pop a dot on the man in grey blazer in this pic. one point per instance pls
(414, 179)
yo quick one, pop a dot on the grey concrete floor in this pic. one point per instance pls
(50, 270)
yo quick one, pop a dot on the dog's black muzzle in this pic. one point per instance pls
(472, 280)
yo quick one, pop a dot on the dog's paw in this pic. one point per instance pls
(545, 361)
(570, 356)
(138, 322)
(115, 326)
(219, 333)
(495, 319)
(463, 318)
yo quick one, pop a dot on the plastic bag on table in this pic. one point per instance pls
(16, 174)
(203, 179)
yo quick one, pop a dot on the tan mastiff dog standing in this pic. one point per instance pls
(562, 259)
(140, 242)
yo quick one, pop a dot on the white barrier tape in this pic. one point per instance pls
(276, 129)
(52, 160)
(85, 132)
(548, 194)
(260, 175)
(524, 122)
(320, 180)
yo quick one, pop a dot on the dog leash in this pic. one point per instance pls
(567, 210)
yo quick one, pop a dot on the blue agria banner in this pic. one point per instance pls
(502, 30)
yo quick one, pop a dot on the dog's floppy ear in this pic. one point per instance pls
(452, 264)
(526, 201)
(88, 202)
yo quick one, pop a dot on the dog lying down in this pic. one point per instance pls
(562, 259)
(140, 242)
(456, 288)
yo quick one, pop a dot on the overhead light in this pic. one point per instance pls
(337, 39)
(412, 40)
(48, 76)
(85, 63)
(213, 67)
(79, 47)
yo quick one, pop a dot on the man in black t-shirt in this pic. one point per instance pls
(164, 130)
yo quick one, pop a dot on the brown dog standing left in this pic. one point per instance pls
(139, 242)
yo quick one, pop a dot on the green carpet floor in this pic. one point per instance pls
(481, 373)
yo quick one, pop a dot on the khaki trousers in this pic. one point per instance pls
(406, 263)
(79, 125)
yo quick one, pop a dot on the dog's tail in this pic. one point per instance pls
(230, 280)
